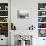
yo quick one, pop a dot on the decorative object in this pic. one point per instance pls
(23, 40)
(42, 32)
(42, 25)
(0, 7)
(43, 13)
(13, 27)
(41, 19)
(4, 29)
(31, 27)
(22, 14)
(3, 13)
(3, 19)
(6, 7)
(41, 6)
(3, 6)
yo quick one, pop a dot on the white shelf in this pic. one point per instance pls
(41, 28)
(42, 16)
(3, 16)
(3, 22)
(41, 22)
(41, 10)
(3, 10)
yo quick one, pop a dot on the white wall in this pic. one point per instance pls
(29, 5)
(32, 7)
(23, 24)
